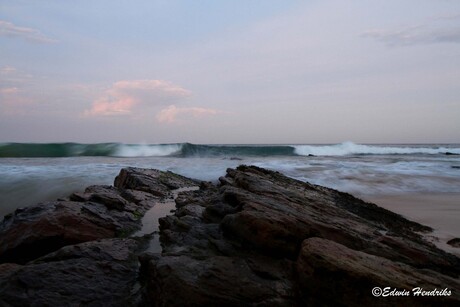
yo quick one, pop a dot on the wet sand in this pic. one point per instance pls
(438, 211)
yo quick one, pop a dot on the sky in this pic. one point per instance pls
(230, 72)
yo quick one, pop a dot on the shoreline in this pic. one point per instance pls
(440, 211)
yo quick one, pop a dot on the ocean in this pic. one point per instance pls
(32, 173)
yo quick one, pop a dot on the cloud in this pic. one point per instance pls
(13, 102)
(8, 29)
(11, 77)
(415, 36)
(442, 29)
(9, 90)
(15, 88)
(6, 70)
(172, 113)
(126, 95)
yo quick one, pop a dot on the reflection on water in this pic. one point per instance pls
(150, 222)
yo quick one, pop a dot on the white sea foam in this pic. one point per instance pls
(349, 148)
(140, 150)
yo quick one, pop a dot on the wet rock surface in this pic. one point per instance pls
(257, 238)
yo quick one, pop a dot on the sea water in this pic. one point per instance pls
(32, 173)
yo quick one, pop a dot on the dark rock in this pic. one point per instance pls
(235, 159)
(455, 166)
(261, 238)
(448, 153)
(329, 272)
(217, 281)
(97, 273)
(64, 252)
(454, 242)
(152, 181)
(99, 212)
(38, 230)
(277, 213)
(258, 238)
(106, 195)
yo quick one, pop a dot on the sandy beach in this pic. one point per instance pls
(439, 211)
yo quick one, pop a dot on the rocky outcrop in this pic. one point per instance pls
(260, 238)
(257, 238)
(72, 251)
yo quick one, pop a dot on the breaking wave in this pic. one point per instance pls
(190, 150)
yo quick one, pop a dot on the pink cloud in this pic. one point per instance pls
(126, 95)
(172, 113)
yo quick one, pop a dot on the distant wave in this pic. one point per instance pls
(195, 150)
(88, 150)
(236, 150)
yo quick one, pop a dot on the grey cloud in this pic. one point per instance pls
(8, 29)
